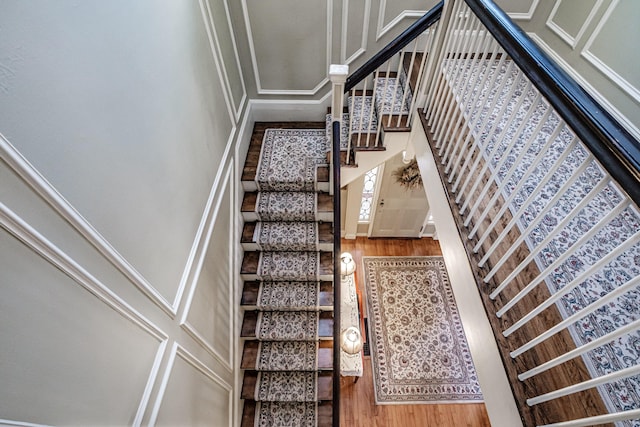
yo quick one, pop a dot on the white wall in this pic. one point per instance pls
(118, 122)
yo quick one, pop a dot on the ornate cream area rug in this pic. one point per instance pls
(418, 347)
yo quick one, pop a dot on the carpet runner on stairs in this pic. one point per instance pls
(288, 293)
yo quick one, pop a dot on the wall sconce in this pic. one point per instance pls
(351, 341)
(347, 265)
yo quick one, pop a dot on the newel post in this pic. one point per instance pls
(338, 74)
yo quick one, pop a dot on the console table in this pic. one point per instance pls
(350, 364)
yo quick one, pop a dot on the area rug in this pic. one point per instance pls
(513, 162)
(289, 159)
(418, 346)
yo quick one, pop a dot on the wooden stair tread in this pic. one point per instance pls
(325, 202)
(325, 325)
(251, 259)
(251, 288)
(255, 145)
(394, 126)
(325, 385)
(325, 414)
(250, 355)
(325, 232)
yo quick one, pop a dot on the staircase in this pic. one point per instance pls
(287, 271)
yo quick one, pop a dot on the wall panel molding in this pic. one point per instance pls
(383, 28)
(562, 33)
(525, 16)
(631, 127)
(225, 359)
(254, 59)
(345, 32)
(218, 56)
(178, 351)
(39, 244)
(604, 68)
(32, 177)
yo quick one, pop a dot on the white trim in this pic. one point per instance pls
(178, 350)
(227, 188)
(560, 32)
(153, 376)
(345, 33)
(28, 235)
(525, 16)
(383, 29)
(12, 423)
(631, 127)
(195, 247)
(209, 18)
(295, 110)
(254, 60)
(626, 86)
(217, 59)
(25, 170)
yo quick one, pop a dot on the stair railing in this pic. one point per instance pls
(544, 184)
(380, 93)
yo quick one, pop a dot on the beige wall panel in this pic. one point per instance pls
(228, 50)
(570, 15)
(613, 43)
(288, 44)
(400, 14)
(194, 396)
(65, 354)
(118, 106)
(210, 311)
(518, 9)
(355, 21)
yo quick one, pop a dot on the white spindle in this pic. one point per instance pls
(617, 251)
(583, 202)
(525, 178)
(562, 258)
(598, 419)
(503, 159)
(483, 121)
(523, 234)
(458, 86)
(579, 351)
(585, 385)
(590, 308)
(435, 103)
(518, 215)
(489, 135)
(472, 107)
(458, 64)
(512, 170)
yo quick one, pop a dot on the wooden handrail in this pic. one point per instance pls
(407, 36)
(614, 147)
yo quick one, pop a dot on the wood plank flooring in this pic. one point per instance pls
(357, 404)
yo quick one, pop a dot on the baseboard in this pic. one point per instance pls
(289, 110)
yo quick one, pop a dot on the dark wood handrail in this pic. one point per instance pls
(407, 36)
(336, 272)
(614, 147)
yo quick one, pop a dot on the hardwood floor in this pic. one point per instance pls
(357, 407)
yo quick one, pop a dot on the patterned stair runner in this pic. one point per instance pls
(284, 383)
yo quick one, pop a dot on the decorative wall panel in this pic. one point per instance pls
(290, 44)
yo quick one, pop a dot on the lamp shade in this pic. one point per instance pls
(347, 264)
(351, 340)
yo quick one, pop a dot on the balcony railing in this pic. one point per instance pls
(544, 185)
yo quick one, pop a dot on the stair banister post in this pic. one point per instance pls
(338, 74)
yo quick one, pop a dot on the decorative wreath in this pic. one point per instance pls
(409, 176)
